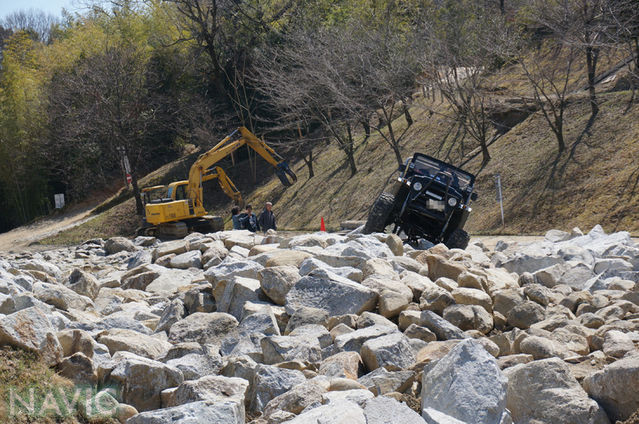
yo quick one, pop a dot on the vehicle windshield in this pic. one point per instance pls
(155, 194)
(422, 165)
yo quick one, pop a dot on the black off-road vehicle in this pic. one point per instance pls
(430, 200)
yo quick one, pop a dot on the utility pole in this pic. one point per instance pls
(124, 159)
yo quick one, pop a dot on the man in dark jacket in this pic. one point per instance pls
(266, 219)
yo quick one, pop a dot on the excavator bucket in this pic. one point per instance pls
(283, 172)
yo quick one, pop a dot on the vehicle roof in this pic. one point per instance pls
(472, 176)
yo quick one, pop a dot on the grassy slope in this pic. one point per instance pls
(593, 182)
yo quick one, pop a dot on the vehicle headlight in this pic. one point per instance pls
(452, 202)
(417, 186)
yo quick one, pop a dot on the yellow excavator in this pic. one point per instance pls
(177, 209)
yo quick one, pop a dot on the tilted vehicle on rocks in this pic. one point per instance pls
(430, 199)
(178, 208)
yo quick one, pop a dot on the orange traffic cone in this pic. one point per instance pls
(322, 226)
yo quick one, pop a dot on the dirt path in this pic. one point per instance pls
(20, 238)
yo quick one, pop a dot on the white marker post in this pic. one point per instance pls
(500, 198)
(59, 200)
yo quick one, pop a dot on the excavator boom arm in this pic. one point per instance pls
(201, 167)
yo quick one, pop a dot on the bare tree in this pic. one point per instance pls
(459, 55)
(103, 110)
(32, 21)
(385, 65)
(550, 72)
(623, 34)
(306, 81)
(582, 24)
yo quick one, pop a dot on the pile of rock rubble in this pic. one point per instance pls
(234, 327)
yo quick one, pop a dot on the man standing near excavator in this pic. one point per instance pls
(266, 219)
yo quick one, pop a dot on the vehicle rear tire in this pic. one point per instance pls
(458, 239)
(379, 214)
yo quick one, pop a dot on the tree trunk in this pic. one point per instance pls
(502, 7)
(559, 135)
(367, 129)
(398, 154)
(139, 208)
(351, 162)
(349, 149)
(485, 154)
(309, 164)
(592, 54)
(409, 118)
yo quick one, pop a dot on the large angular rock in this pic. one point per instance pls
(525, 314)
(435, 298)
(277, 281)
(614, 387)
(78, 368)
(380, 381)
(285, 257)
(574, 274)
(470, 296)
(439, 266)
(140, 277)
(191, 259)
(466, 384)
(84, 283)
(617, 344)
(171, 314)
(211, 388)
(394, 296)
(118, 244)
(289, 348)
(338, 412)
(220, 412)
(175, 247)
(231, 267)
(169, 282)
(42, 266)
(269, 382)
(31, 330)
(530, 262)
(334, 294)
(354, 341)
(469, 317)
(381, 410)
(392, 352)
(443, 329)
(203, 328)
(342, 365)
(73, 341)
(134, 342)
(349, 272)
(141, 379)
(60, 297)
(545, 391)
(196, 365)
(231, 294)
(296, 399)
(539, 347)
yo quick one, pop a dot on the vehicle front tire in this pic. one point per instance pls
(379, 214)
(458, 239)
